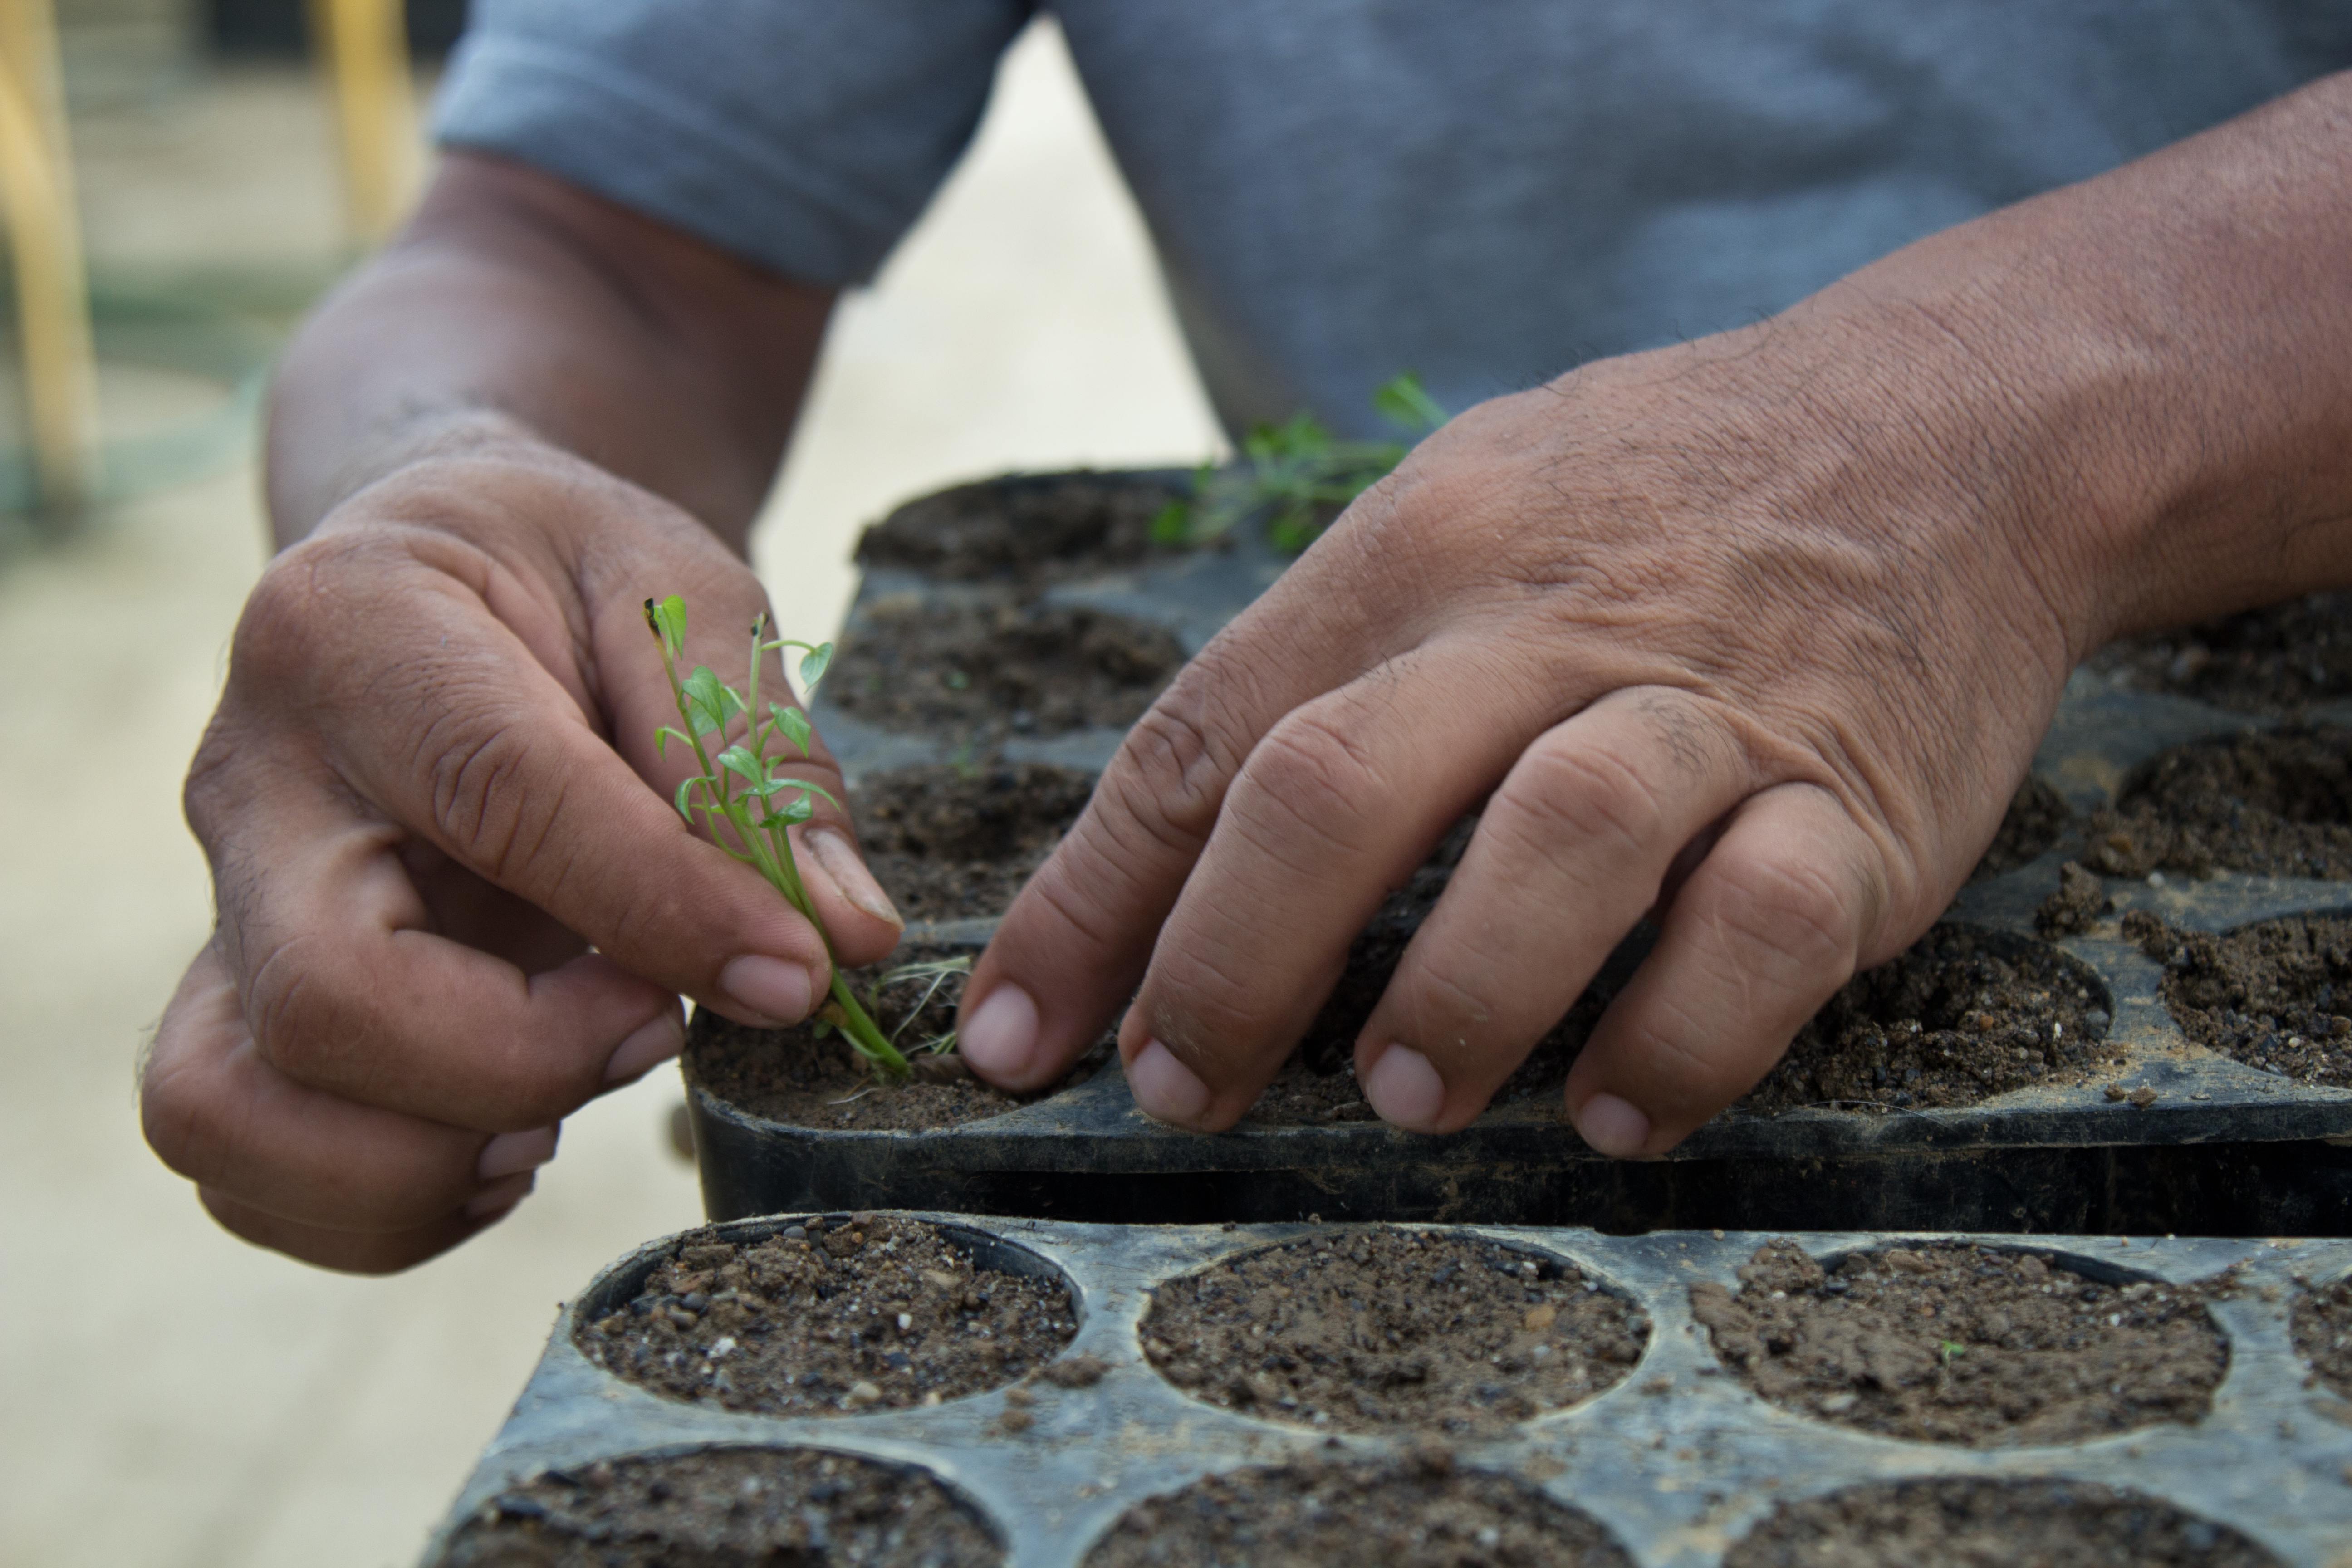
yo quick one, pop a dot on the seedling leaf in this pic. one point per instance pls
(706, 706)
(813, 664)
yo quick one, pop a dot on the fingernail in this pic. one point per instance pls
(1405, 1089)
(656, 1040)
(770, 987)
(495, 1200)
(1002, 1034)
(511, 1154)
(1165, 1089)
(837, 857)
(1612, 1127)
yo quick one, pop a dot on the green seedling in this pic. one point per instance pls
(1947, 1349)
(745, 789)
(1296, 474)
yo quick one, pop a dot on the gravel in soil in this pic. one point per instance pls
(2037, 815)
(1027, 529)
(953, 843)
(1421, 1513)
(979, 673)
(1381, 1331)
(1960, 1016)
(2276, 804)
(1950, 1342)
(2276, 659)
(2322, 1326)
(871, 1312)
(1969, 1523)
(797, 1077)
(2277, 996)
(726, 1507)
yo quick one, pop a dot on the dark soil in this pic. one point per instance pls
(2271, 660)
(1959, 1017)
(1029, 529)
(1967, 1523)
(1948, 1342)
(2274, 997)
(981, 673)
(1378, 1330)
(795, 1077)
(867, 1313)
(2278, 804)
(949, 842)
(1420, 1514)
(2322, 1324)
(1318, 1084)
(2037, 815)
(726, 1507)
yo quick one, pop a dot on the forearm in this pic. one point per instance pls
(517, 309)
(2153, 369)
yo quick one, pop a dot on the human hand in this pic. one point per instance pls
(430, 789)
(1756, 635)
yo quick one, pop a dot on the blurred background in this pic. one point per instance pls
(168, 1396)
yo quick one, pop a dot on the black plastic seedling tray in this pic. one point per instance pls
(2222, 1149)
(1677, 1461)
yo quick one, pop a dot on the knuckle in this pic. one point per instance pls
(1173, 768)
(475, 763)
(1318, 776)
(1560, 795)
(1789, 913)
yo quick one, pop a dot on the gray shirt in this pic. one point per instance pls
(1489, 191)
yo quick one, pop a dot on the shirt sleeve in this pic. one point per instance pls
(803, 135)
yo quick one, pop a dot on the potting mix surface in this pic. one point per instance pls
(957, 842)
(1964, 1344)
(727, 1508)
(2277, 996)
(1425, 1512)
(983, 671)
(1967, 1523)
(2277, 804)
(1375, 1330)
(871, 1312)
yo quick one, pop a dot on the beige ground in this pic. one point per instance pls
(168, 1397)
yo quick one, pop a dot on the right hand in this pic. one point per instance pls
(430, 790)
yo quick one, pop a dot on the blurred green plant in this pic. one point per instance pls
(1296, 475)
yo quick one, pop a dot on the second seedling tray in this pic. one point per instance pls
(1677, 1460)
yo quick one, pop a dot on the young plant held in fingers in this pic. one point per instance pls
(743, 794)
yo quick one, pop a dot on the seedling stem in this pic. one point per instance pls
(745, 779)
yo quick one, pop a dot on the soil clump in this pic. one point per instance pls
(2276, 804)
(726, 1507)
(1960, 1016)
(2277, 996)
(803, 1078)
(2275, 660)
(2322, 1326)
(2076, 906)
(1420, 1514)
(830, 1317)
(982, 672)
(1030, 530)
(2037, 815)
(949, 843)
(1904, 1524)
(1955, 1344)
(1379, 1331)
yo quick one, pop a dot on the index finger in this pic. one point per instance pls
(1069, 952)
